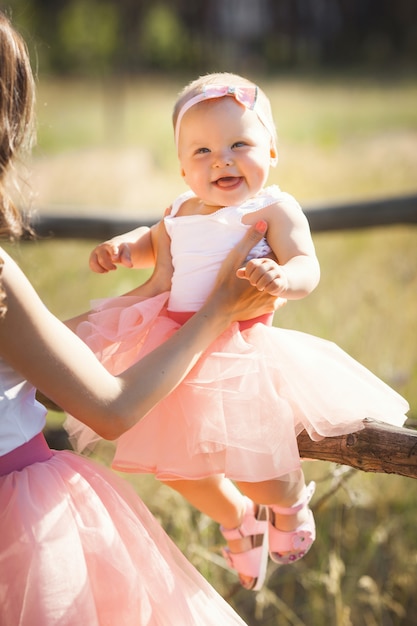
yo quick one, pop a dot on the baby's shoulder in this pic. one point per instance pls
(183, 204)
(278, 197)
(280, 202)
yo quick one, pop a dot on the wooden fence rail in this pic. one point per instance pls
(399, 210)
(378, 447)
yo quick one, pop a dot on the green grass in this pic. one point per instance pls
(111, 148)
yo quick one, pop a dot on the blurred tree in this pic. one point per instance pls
(266, 35)
(164, 41)
(88, 32)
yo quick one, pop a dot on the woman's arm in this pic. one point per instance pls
(63, 368)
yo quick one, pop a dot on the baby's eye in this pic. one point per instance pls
(202, 151)
(239, 144)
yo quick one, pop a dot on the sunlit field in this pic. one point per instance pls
(108, 148)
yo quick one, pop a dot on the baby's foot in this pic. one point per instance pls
(247, 550)
(292, 529)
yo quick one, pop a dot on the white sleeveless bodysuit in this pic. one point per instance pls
(200, 243)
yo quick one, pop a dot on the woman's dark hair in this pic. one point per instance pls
(17, 99)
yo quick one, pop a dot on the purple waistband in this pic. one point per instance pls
(34, 451)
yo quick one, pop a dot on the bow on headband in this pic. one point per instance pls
(245, 95)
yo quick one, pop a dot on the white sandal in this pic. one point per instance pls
(251, 563)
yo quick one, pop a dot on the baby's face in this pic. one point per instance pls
(225, 151)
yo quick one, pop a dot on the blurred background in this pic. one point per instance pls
(340, 75)
(135, 36)
(342, 79)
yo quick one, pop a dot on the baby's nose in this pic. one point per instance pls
(222, 159)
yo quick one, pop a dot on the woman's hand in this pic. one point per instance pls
(235, 291)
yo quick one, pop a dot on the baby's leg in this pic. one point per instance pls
(216, 496)
(241, 523)
(291, 522)
(283, 492)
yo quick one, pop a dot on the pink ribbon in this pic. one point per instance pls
(245, 95)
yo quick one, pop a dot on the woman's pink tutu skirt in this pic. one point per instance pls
(240, 409)
(78, 548)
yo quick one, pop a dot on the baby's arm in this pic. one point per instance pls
(133, 249)
(160, 280)
(296, 272)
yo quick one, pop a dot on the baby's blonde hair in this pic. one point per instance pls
(198, 85)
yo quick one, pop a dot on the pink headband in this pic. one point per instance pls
(247, 96)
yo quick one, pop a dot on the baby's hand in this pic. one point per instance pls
(107, 255)
(266, 275)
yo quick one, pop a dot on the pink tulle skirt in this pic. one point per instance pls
(240, 409)
(79, 548)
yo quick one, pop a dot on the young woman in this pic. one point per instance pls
(76, 544)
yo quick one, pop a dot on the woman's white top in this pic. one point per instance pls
(21, 415)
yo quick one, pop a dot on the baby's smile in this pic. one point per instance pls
(228, 182)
